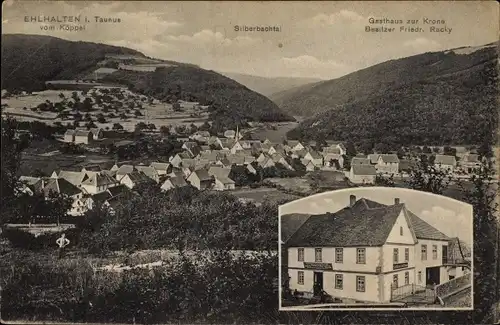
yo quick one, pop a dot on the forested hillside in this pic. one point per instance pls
(30, 60)
(449, 98)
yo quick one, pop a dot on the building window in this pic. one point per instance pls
(407, 278)
(401, 231)
(300, 254)
(424, 252)
(419, 278)
(407, 254)
(339, 255)
(339, 281)
(300, 277)
(395, 255)
(318, 255)
(395, 283)
(360, 283)
(434, 252)
(361, 256)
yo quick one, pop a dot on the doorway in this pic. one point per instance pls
(318, 283)
(432, 276)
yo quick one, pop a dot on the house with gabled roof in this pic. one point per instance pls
(83, 136)
(445, 162)
(366, 252)
(373, 158)
(31, 185)
(266, 163)
(362, 174)
(201, 136)
(329, 158)
(135, 178)
(69, 135)
(294, 145)
(150, 172)
(161, 168)
(470, 163)
(177, 160)
(360, 161)
(174, 182)
(201, 179)
(124, 170)
(98, 182)
(192, 148)
(236, 146)
(63, 187)
(97, 133)
(315, 157)
(222, 182)
(75, 178)
(277, 148)
(387, 164)
(333, 145)
(279, 159)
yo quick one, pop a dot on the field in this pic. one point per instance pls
(295, 184)
(159, 114)
(52, 161)
(262, 194)
(275, 132)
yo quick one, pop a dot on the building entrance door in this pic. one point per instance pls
(432, 276)
(318, 283)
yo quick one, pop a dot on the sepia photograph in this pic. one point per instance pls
(249, 162)
(382, 247)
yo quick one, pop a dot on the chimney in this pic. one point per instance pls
(396, 201)
(352, 200)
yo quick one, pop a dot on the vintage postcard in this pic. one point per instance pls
(263, 162)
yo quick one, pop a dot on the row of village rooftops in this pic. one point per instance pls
(201, 149)
(371, 252)
(205, 168)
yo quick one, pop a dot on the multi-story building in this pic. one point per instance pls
(367, 252)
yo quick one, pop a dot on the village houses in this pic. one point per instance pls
(445, 162)
(362, 174)
(200, 179)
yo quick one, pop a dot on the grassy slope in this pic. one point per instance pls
(196, 84)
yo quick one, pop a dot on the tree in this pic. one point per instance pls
(61, 95)
(137, 113)
(482, 195)
(204, 127)
(176, 107)
(123, 116)
(384, 181)
(426, 149)
(424, 176)
(117, 126)
(10, 162)
(350, 149)
(165, 130)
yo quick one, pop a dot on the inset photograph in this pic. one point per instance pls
(376, 247)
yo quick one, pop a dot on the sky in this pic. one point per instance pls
(315, 39)
(451, 217)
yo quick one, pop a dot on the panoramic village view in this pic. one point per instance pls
(141, 187)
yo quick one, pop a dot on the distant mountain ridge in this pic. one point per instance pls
(268, 86)
(357, 86)
(432, 98)
(28, 61)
